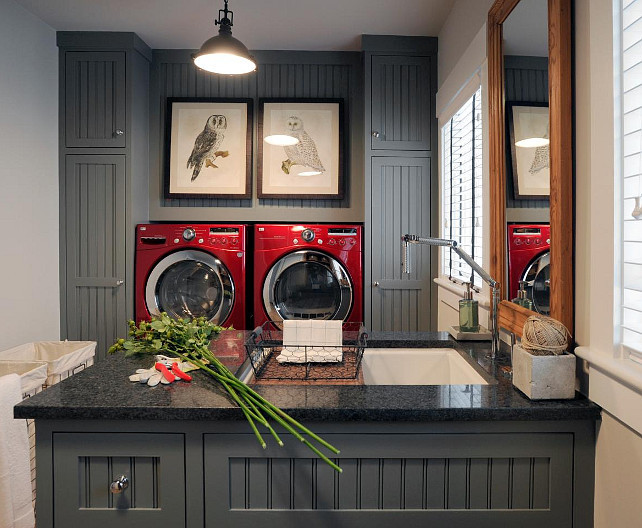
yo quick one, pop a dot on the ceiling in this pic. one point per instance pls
(260, 24)
(526, 29)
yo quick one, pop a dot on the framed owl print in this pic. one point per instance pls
(208, 148)
(300, 149)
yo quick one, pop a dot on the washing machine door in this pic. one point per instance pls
(538, 284)
(190, 283)
(307, 284)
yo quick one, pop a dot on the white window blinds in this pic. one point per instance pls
(462, 188)
(630, 55)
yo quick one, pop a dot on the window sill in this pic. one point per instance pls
(615, 385)
(459, 290)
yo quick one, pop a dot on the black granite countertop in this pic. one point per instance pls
(104, 392)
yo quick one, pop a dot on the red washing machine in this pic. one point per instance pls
(529, 260)
(191, 271)
(310, 271)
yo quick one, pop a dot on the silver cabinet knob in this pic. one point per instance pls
(120, 484)
(120, 282)
(119, 132)
(375, 134)
(375, 284)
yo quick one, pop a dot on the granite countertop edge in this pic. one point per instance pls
(83, 396)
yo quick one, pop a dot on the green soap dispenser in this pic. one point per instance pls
(468, 312)
(522, 297)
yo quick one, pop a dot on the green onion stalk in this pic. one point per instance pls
(189, 340)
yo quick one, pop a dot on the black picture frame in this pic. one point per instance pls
(512, 154)
(302, 104)
(245, 180)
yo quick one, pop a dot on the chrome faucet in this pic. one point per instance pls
(406, 240)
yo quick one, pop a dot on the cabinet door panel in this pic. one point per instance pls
(400, 203)
(85, 464)
(401, 103)
(390, 479)
(95, 99)
(94, 224)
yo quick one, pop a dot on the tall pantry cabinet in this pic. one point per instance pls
(104, 157)
(401, 179)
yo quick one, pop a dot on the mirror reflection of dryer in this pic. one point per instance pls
(191, 271)
(529, 261)
(307, 272)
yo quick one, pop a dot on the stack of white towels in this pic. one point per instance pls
(312, 342)
(16, 508)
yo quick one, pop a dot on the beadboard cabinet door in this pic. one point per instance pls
(400, 198)
(401, 103)
(462, 480)
(95, 99)
(85, 464)
(93, 216)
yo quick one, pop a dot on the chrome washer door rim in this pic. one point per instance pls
(330, 263)
(227, 301)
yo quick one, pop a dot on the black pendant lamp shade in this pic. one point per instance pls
(223, 53)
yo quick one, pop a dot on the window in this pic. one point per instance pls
(462, 188)
(630, 174)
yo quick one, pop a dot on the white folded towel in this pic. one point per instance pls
(16, 508)
(311, 342)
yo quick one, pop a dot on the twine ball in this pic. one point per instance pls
(544, 336)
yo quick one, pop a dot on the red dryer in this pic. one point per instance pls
(529, 260)
(191, 271)
(310, 271)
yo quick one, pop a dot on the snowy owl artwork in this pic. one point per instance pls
(529, 143)
(300, 155)
(209, 149)
(304, 152)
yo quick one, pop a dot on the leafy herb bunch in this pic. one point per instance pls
(189, 339)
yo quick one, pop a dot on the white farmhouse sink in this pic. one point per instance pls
(418, 366)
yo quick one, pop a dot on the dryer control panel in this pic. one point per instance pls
(155, 236)
(330, 237)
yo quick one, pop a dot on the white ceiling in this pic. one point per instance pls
(526, 29)
(260, 24)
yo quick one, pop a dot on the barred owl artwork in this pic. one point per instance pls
(304, 153)
(207, 144)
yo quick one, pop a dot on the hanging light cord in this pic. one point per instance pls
(225, 19)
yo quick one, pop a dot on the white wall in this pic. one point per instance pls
(29, 282)
(463, 23)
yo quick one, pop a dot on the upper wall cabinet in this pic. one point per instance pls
(401, 103)
(95, 99)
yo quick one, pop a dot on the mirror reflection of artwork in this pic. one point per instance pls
(208, 148)
(300, 153)
(529, 149)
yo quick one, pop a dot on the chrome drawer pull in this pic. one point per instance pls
(122, 483)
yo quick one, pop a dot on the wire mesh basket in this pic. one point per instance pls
(267, 355)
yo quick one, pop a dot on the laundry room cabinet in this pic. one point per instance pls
(401, 179)
(104, 157)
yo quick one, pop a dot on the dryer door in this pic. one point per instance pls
(538, 284)
(190, 283)
(307, 284)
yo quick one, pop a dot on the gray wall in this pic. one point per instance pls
(526, 80)
(280, 74)
(29, 302)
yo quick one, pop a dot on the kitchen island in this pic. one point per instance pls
(449, 455)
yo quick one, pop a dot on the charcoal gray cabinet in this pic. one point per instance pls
(402, 103)
(401, 179)
(214, 474)
(104, 158)
(87, 463)
(95, 99)
(400, 190)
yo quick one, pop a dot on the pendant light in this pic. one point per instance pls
(223, 53)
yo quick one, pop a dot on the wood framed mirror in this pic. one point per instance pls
(512, 316)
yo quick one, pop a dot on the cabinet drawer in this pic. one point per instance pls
(85, 464)
(95, 99)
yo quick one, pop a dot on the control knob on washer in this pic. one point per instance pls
(307, 235)
(189, 234)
